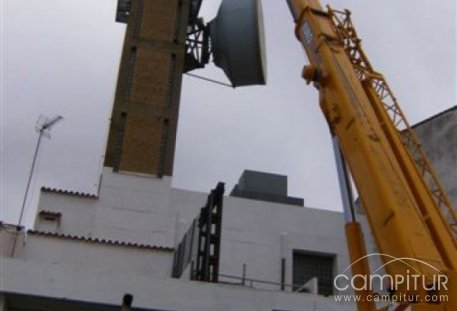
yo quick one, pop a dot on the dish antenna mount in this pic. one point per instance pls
(234, 39)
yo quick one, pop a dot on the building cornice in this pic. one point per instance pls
(100, 241)
(69, 192)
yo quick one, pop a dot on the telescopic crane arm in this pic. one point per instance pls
(407, 210)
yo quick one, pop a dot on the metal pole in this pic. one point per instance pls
(354, 234)
(40, 128)
(283, 273)
(243, 280)
(45, 126)
(27, 191)
(30, 177)
(345, 184)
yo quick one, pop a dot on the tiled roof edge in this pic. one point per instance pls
(101, 241)
(69, 192)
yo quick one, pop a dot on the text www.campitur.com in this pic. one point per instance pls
(391, 298)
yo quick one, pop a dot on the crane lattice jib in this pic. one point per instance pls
(365, 72)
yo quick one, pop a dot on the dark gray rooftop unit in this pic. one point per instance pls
(264, 187)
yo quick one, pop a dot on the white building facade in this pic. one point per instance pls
(88, 251)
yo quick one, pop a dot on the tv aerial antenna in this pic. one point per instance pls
(43, 127)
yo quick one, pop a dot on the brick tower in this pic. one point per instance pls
(144, 119)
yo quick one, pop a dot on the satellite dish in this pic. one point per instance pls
(238, 43)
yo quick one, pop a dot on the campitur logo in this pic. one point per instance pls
(411, 281)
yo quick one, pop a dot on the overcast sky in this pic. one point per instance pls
(61, 57)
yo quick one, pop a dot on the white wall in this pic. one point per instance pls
(129, 208)
(67, 281)
(98, 256)
(252, 231)
(255, 233)
(148, 211)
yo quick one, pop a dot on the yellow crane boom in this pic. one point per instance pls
(408, 212)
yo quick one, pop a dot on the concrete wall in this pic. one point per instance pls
(99, 257)
(259, 234)
(146, 210)
(254, 233)
(438, 136)
(107, 287)
(129, 208)
(11, 242)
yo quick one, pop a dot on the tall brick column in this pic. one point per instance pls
(144, 120)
